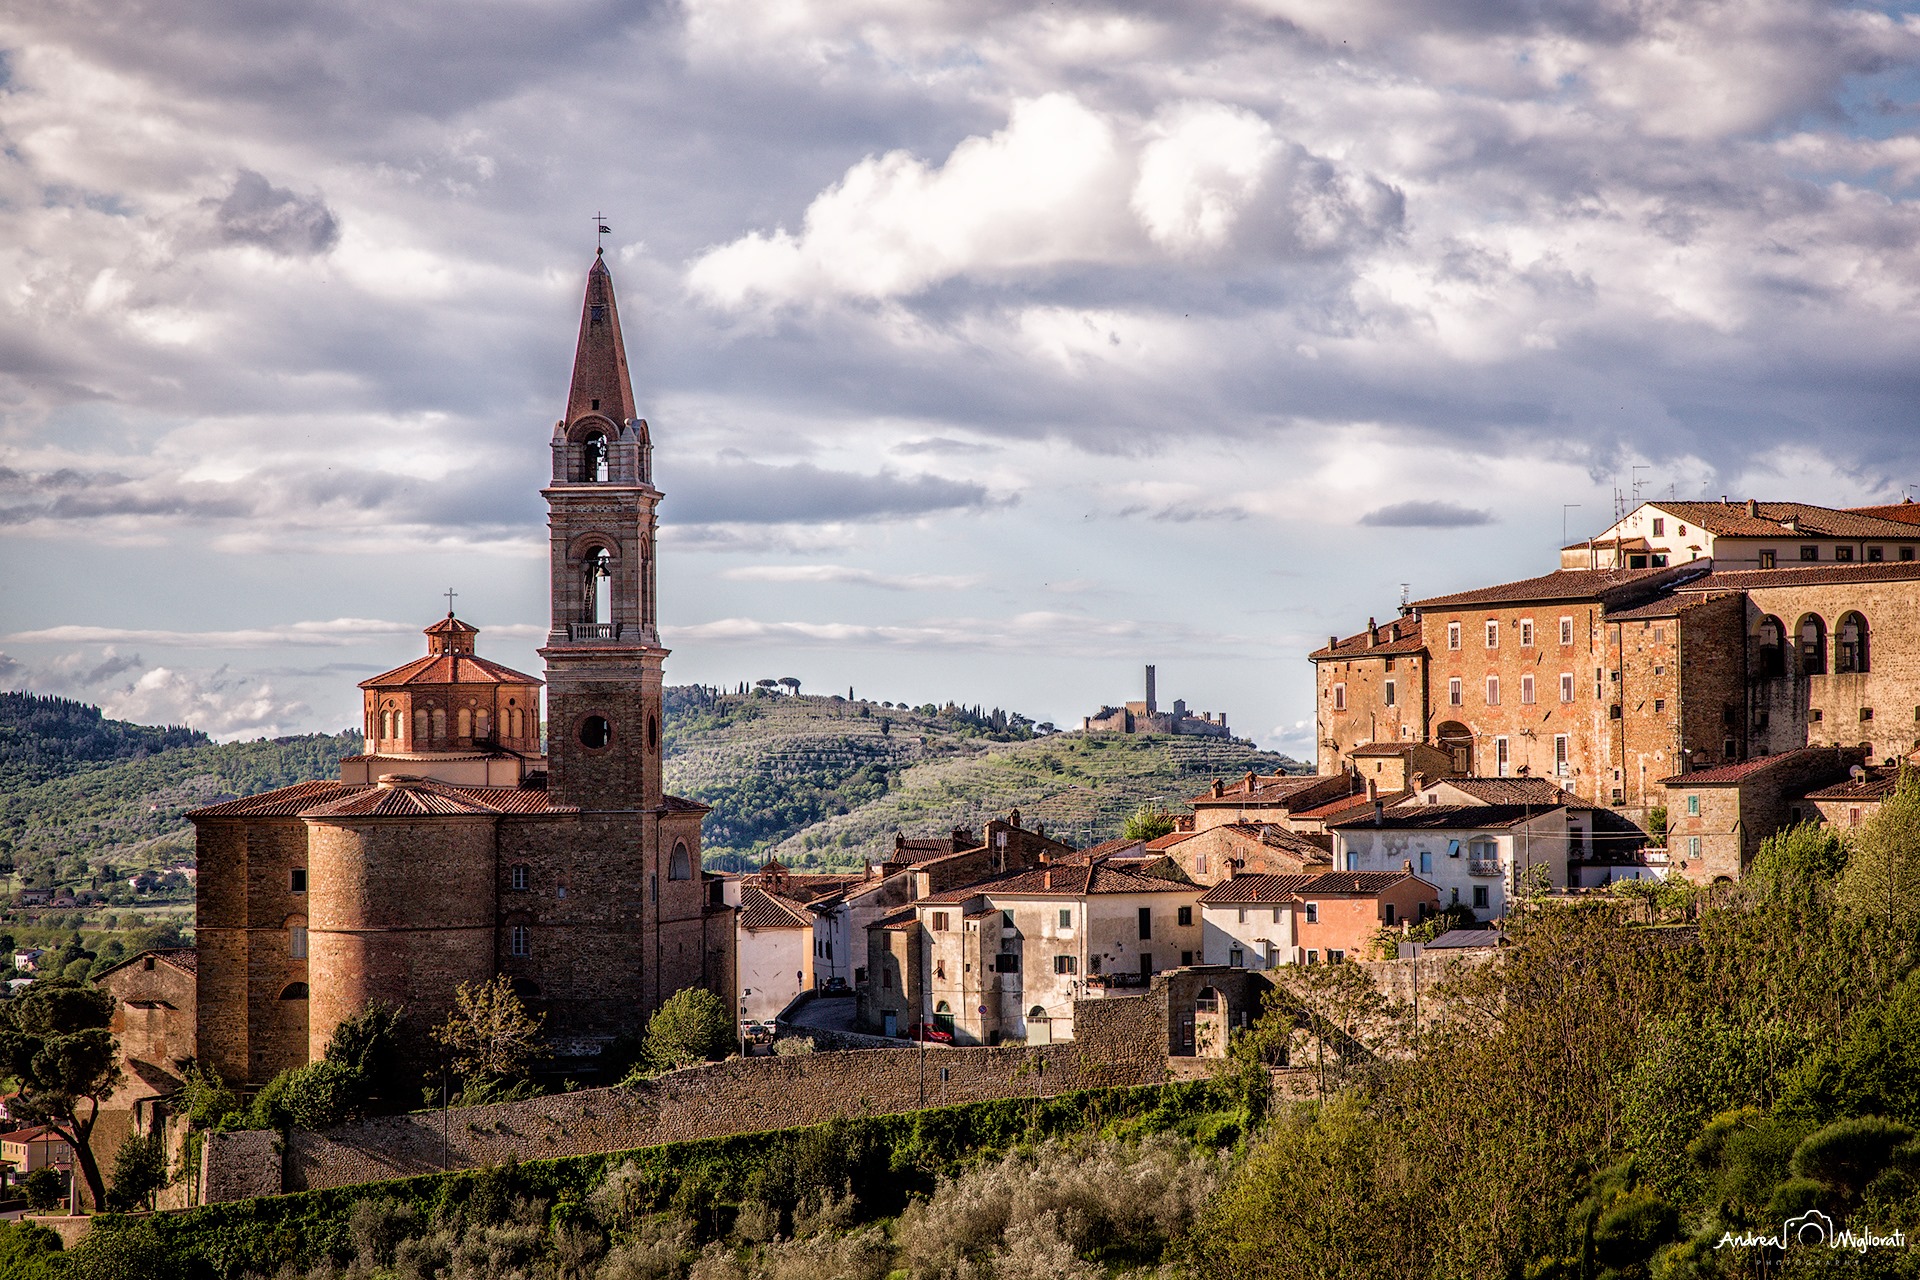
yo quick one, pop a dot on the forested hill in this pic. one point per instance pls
(827, 782)
(42, 738)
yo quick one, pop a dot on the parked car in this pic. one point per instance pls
(757, 1033)
(837, 987)
(928, 1032)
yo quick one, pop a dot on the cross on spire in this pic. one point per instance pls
(600, 228)
(450, 595)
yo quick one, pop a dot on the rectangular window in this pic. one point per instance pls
(886, 979)
(1390, 919)
(1769, 559)
(1146, 922)
(1566, 631)
(1186, 915)
(1493, 633)
(1526, 690)
(1809, 553)
(1843, 553)
(1199, 864)
(1386, 692)
(1562, 763)
(297, 942)
(1853, 817)
(1453, 692)
(1426, 862)
(1876, 553)
(1313, 913)
(1340, 697)
(1659, 527)
(1313, 957)
(1693, 806)
(1693, 846)
(297, 880)
(939, 922)
(1353, 860)
(1566, 686)
(521, 941)
(1659, 705)
(1236, 958)
(1066, 917)
(1526, 633)
(1906, 553)
(1066, 964)
(1186, 957)
(1493, 691)
(1599, 683)
(1479, 897)
(1007, 962)
(518, 878)
(1500, 759)
(1453, 635)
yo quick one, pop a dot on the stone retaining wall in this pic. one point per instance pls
(742, 1095)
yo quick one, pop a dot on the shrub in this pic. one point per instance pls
(692, 1026)
(139, 1170)
(1848, 1154)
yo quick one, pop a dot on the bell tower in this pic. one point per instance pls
(603, 651)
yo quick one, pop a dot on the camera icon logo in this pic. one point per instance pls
(1812, 1228)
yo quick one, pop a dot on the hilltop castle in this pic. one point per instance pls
(455, 850)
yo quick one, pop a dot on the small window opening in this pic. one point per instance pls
(595, 732)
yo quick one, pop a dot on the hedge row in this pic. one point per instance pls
(884, 1160)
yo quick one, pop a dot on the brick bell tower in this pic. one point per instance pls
(603, 651)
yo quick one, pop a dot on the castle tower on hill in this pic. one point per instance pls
(456, 849)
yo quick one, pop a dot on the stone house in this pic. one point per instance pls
(1476, 856)
(1339, 914)
(1247, 922)
(154, 994)
(1743, 535)
(773, 940)
(1266, 798)
(461, 848)
(1847, 806)
(1371, 690)
(1247, 848)
(1717, 818)
(1007, 956)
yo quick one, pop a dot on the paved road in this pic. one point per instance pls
(829, 1013)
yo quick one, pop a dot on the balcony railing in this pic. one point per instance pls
(1483, 868)
(593, 630)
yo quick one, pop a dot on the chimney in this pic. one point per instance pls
(1379, 813)
(1013, 819)
(1753, 508)
(899, 841)
(1373, 632)
(1418, 781)
(1046, 880)
(1333, 642)
(1373, 790)
(1406, 865)
(1251, 779)
(1232, 864)
(1150, 704)
(1216, 790)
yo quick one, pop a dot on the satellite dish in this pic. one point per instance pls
(1857, 773)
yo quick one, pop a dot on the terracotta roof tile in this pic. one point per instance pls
(450, 668)
(1679, 602)
(1169, 840)
(1810, 575)
(1567, 584)
(1449, 817)
(1533, 791)
(1367, 883)
(1730, 773)
(1731, 520)
(762, 910)
(1266, 790)
(185, 959)
(1906, 511)
(1061, 882)
(1392, 638)
(282, 802)
(1255, 888)
(1877, 785)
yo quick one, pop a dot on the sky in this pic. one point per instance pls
(990, 351)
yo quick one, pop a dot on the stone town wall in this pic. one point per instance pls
(738, 1096)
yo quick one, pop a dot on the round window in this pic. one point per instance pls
(595, 732)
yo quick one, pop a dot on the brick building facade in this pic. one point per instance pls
(456, 849)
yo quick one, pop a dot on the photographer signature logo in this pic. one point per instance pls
(1812, 1230)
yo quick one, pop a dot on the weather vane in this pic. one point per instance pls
(600, 229)
(450, 595)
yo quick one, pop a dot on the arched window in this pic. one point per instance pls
(294, 991)
(596, 586)
(420, 725)
(1812, 637)
(1771, 651)
(1850, 645)
(593, 458)
(681, 865)
(466, 723)
(1456, 740)
(1038, 1011)
(482, 723)
(513, 723)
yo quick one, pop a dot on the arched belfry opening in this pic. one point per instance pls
(593, 458)
(596, 587)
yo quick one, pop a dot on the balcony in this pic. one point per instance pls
(593, 630)
(1481, 868)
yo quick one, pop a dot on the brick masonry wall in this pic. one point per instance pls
(1890, 688)
(1366, 716)
(743, 1095)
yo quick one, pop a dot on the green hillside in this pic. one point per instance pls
(42, 738)
(825, 782)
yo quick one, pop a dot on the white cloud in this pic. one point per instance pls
(843, 575)
(333, 633)
(1034, 633)
(1206, 162)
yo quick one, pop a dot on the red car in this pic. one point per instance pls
(927, 1031)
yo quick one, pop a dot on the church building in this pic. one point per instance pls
(462, 845)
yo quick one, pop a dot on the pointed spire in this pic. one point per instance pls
(600, 380)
